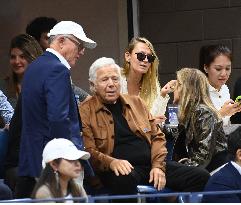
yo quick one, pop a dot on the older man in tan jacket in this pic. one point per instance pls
(126, 146)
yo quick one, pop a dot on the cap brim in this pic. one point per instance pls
(78, 154)
(88, 43)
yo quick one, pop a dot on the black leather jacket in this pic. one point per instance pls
(205, 136)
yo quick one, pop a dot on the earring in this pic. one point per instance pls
(56, 178)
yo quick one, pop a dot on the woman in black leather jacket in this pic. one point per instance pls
(205, 141)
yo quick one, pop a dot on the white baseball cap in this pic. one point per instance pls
(72, 28)
(62, 148)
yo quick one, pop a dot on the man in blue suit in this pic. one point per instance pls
(229, 177)
(49, 108)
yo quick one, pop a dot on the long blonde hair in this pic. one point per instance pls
(193, 92)
(149, 84)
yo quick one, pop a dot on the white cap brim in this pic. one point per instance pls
(77, 154)
(88, 43)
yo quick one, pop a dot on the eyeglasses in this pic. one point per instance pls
(143, 56)
(78, 44)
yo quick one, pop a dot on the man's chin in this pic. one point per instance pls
(111, 100)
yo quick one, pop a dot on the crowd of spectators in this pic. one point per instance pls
(64, 143)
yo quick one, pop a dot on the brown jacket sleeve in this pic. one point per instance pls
(158, 145)
(158, 148)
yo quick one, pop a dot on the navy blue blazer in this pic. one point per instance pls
(49, 110)
(226, 179)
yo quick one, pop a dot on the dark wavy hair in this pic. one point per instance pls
(40, 25)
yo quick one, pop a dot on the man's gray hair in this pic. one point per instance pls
(99, 63)
(53, 37)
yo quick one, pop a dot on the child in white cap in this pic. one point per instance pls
(61, 163)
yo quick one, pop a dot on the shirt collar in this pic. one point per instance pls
(59, 56)
(236, 166)
(212, 89)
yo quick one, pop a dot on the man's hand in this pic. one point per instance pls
(158, 177)
(122, 167)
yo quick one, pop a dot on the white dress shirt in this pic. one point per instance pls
(218, 99)
(59, 56)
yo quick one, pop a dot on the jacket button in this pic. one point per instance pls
(111, 121)
(112, 136)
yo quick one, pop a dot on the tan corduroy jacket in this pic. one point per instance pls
(98, 131)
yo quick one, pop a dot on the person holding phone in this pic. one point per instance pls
(236, 119)
(215, 63)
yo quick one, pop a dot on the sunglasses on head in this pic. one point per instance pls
(143, 56)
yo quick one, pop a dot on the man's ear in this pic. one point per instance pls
(61, 41)
(238, 155)
(92, 86)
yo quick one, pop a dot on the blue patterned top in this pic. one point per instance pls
(6, 110)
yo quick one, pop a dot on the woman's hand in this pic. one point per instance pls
(168, 88)
(160, 119)
(230, 108)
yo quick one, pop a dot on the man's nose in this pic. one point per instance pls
(110, 82)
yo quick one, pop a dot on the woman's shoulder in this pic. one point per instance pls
(203, 109)
(205, 113)
(123, 83)
(43, 192)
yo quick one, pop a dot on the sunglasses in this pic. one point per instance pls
(143, 56)
(78, 44)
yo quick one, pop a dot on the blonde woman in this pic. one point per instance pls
(140, 76)
(205, 139)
